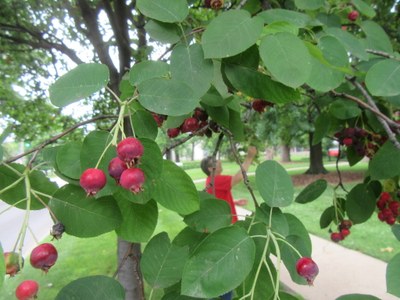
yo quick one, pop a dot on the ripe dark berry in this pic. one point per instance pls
(345, 224)
(116, 167)
(132, 179)
(44, 256)
(259, 105)
(158, 118)
(390, 220)
(336, 237)
(307, 269)
(394, 207)
(92, 180)
(57, 230)
(200, 114)
(190, 125)
(173, 132)
(27, 290)
(129, 150)
(11, 260)
(385, 196)
(344, 232)
(348, 141)
(214, 4)
(353, 15)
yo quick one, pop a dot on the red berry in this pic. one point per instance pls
(344, 232)
(27, 290)
(158, 118)
(92, 180)
(336, 237)
(345, 224)
(353, 15)
(381, 204)
(116, 167)
(130, 149)
(200, 114)
(190, 125)
(214, 4)
(385, 196)
(307, 269)
(391, 220)
(381, 216)
(259, 105)
(394, 207)
(44, 256)
(132, 179)
(347, 141)
(11, 260)
(387, 213)
(173, 132)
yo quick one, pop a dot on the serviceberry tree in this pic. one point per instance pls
(218, 58)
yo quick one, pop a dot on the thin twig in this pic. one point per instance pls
(214, 163)
(381, 53)
(56, 137)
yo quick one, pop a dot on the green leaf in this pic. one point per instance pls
(68, 160)
(236, 125)
(84, 216)
(312, 191)
(16, 195)
(218, 114)
(333, 51)
(357, 296)
(396, 231)
(188, 237)
(322, 125)
(96, 287)
(79, 83)
(2, 266)
(278, 221)
(309, 4)
(231, 33)
(277, 15)
(1, 153)
(381, 167)
(364, 8)
(360, 203)
(349, 41)
(281, 26)
(219, 264)
(213, 214)
(144, 124)
(169, 11)
(323, 78)
(377, 39)
(327, 217)
(175, 190)
(329, 20)
(138, 220)
(162, 262)
(167, 96)
(188, 65)
(392, 276)
(214, 98)
(287, 58)
(151, 161)
(383, 77)
(343, 110)
(146, 70)
(163, 32)
(274, 184)
(258, 85)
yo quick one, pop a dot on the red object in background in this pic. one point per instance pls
(333, 152)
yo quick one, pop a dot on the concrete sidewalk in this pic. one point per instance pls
(341, 271)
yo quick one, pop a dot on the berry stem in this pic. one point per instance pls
(36, 194)
(278, 264)
(11, 185)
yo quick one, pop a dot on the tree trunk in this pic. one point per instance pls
(129, 274)
(177, 158)
(316, 162)
(192, 157)
(285, 155)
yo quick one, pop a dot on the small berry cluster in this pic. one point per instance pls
(388, 208)
(43, 257)
(362, 141)
(260, 105)
(122, 168)
(344, 231)
(198, 120)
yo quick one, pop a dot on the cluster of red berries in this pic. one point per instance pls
(260, 105)
(198, 120)
(43, 257)
(388, 208)
(344, 231)
(307, 269)
(364, 143)
(122, 168)
(214, 4)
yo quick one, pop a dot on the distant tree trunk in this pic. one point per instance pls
(285, 155)
(192, 157)
(168, 154)
(316, 162)
(269, 153)
(177, 158)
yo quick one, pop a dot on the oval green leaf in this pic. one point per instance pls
(309, 4)
(169, 11)
(231, 33)
(84, 216)
(364, 8)
(360, 203)
(68, 160)
(144, 124)
(377, 39)
(219, 264)
(287, 58)
(381, 167)
(274, 184)
(146, 70)
(97, 287)
(167, 97)
(382, 79)
(343, 110)
(79, 83)
(163, 32)
(162, 263)
(349, 41)
(392, 276)
(312, 191)
(278, 15)
(357, 297)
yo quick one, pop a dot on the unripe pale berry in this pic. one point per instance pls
(11, 260)
(27, 290)
(93, 180)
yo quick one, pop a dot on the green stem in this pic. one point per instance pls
(11, 206)
(12, 185)
(290, 245)
(279, 260)
(259, 267)
(12, 169)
